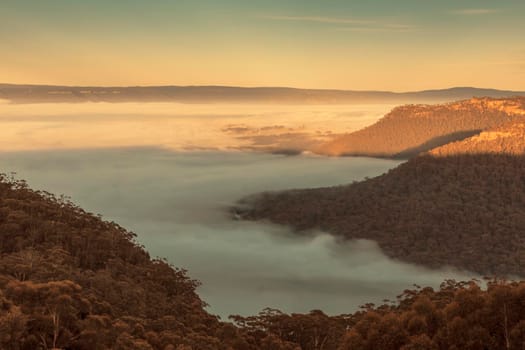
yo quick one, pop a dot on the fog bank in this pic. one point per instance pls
(178, 126)
(177, 204)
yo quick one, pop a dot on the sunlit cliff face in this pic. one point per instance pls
(508, 138)
(178, 126)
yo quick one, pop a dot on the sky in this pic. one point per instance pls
(401, 45)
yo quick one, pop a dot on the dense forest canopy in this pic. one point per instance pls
(505, 139)
(467, 211)
(69, 280)
(412, 129)
(458, 316)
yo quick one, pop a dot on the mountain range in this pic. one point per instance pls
(227, 94)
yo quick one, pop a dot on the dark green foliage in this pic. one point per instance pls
(467, 211)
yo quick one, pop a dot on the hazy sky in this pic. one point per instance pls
(375, 44)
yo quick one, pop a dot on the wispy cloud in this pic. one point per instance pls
(354, 24)
(397, 29)
(475, 12)
(319, 19)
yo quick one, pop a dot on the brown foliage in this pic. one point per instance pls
(508, 138)
(460, 315)
(409, 130)
(69, 280)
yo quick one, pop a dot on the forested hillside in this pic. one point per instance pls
(69, 280)
(412, 129)
(467, 211)
(458, 316)
(507, 139)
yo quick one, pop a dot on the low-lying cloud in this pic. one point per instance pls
(177, 126)
(352, 24)
(319, 19)
(475, 11)
(177, 204)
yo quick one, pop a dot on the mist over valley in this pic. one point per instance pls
(178, 205)
(262, 175)
(347, 232)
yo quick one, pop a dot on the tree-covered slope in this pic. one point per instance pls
(412, 129)
(457, 316)
(69, 280)
(505, 139)
(467, 211)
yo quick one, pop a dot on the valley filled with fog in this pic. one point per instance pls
(268, 128)
(170, 174)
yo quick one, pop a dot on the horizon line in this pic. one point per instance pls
(258, 87)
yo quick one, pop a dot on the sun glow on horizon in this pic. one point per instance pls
(345, 45)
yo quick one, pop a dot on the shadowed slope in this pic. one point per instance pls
(464, 211)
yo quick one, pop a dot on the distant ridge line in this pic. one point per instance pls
(454, 88)
(17, 93)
